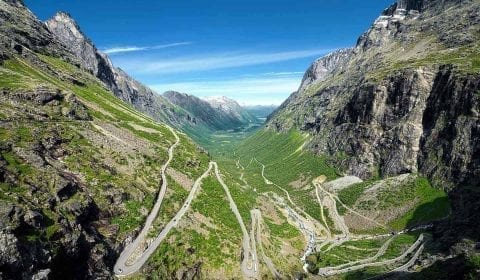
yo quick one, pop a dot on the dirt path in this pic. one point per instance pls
(330, 203)
(319, 227)
(322, 214)
(350, 209)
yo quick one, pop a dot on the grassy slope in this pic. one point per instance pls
(431, 204)
(104, 170)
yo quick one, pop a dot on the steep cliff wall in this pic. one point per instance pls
(404, 100)
(66, 31)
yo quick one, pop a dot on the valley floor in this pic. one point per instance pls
(319, 224)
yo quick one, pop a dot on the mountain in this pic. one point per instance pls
(79, 168)
(400, 94)
(185, 112)
(213, 113)
(369, 170)
(68, 33)
(404, 100)
(261, 111)
(231, 108)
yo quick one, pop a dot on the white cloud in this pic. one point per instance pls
(214, 61)
(249, 91)
(125, 49)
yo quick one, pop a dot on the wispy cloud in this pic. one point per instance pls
(214, 61)
(126, 49)
(250, 91)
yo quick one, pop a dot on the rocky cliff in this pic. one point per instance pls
(66, 30)
(405, 99)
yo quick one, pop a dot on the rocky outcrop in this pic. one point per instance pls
(450, 144)
(324, 66)
(68, 32)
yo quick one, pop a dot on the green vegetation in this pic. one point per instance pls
(348, 252)
(400, 244)
(16, 165)
(132, 217)
(173, 201)
(284, 156)
(284, 230)
(350, 195)
(465, 58)
(433, 204)
(430, 203)
(212, 202)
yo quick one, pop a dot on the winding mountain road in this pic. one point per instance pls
(333, 196)
(121, 268)
(319, 228)
(257, 234)
(249, 266)
(335, 271)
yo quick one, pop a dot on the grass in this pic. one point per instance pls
(283, 230)
(16, 165)
(350, 195)
(343, 254)
(465, 58)
(430, 203)
(212, 202)
(288, 163)
(174, 199)
(132, 217)
(399, 245)
(433, 205)
(285, 158)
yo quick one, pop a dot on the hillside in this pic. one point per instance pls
(80, 169)
(261, 111)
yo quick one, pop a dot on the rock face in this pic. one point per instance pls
(323, 66)
(67, 31)
(395, 104)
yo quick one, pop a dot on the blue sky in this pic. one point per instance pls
(254, 51)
